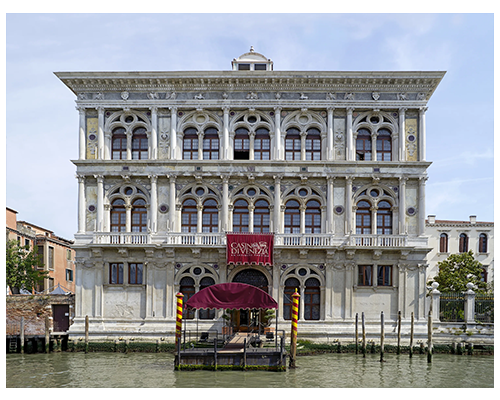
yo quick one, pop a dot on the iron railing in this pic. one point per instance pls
(484, 307)
(452, 307)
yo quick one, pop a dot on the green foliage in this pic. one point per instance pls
(458, 270)
(20, 267)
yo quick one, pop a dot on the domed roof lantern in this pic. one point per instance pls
(252, 61)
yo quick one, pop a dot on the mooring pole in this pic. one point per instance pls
(178, 324)
(295, 318)
(363, 343)
(356, 334)
(411, 334)
(429, 338)
(21, 333)
(47, 334)
(399, 332)
(86, 334)
(381, 336)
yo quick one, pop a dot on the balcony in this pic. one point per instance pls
(209, 239)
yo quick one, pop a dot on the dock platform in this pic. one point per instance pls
(243, 351)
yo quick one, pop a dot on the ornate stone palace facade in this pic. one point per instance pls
(332, 163)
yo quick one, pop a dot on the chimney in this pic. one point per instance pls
(472, 219)
(431, 219)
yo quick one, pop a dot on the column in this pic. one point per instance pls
(402, 205)
(128, 218)
(100, 133)
(277, 137)
(154, 203)
(329, 204)
(421, 128)
(107, 145)
(225, 204)
(302, 209)
(251, 209)
(402, 134)
(350, 146)
(201, 135)
(252, 142)
(154, 133)
(82, 136)
(374, 146)
(171, 206)
(81, 204)
(199, 221)
(173, 133)
(129, 145)
(470, 298)
(421, 205)
(330, 144)
(277, 204)
(348, 204)
(303, 136)
(100, 202)
(225, 134)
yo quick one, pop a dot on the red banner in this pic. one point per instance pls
(250, 248)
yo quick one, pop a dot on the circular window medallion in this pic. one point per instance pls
(411, 211)
(374, 120)
(252, 119)
(200, 191)
(197, 271)
(302, 272)
(374, 193)
(339, 210)
(251, 192)
(163, 208)
(303, 192)
(128, 191)
(92, 208)
(411, 138)
(92, 136)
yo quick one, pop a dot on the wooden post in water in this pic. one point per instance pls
(356, 334)
(381, 336)
(429, 338)
(399, 333)
(411, 334)
(295, 318)
(86, 334)
(21, 333)
(363, 343)
(47, 334)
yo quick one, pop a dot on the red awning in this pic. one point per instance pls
(233, 296)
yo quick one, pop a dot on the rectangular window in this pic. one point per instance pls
(135, 273)
(244, 67)
(384, 275)
(260, 67)
(51, 257)
(365, 273)
(116, 273)
(69, 275)
(27, 242)
(68, 254)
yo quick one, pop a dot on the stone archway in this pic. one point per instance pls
(246, 320)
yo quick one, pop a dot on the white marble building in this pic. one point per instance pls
(333, 163)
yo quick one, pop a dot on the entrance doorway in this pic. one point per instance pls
(249, 320)
(60, 315)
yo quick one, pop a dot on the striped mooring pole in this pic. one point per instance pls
(178, 326)
(295, 318)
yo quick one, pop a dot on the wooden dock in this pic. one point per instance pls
(242, 352)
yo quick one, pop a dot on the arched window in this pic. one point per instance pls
(206, 314)
(241, 144)
(483, 243)
(363, 218)
(119, 144)
(292, 144)
(189, 216)
(262, 145)
(261, 217)
(139, 144)
(186, 287)
(240, 216)
(463, 244)
(292, 217)
(313, 145)
(139, 216)
(312, 299)
(363, 145)
(190, 144)
(118, 216)
(210, 216)
(313, 217)
(290, 285)
(384, 218)
(211, 144)
(384, 145)
(443, 243)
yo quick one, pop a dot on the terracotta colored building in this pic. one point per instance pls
(58, 256)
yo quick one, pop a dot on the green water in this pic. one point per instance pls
(156, 370)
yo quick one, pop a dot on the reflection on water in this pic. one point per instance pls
(145, 370)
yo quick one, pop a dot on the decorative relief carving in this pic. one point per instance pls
(376, 96)
(199, 97)
(252, 96)
(124, 95)
(349, 96)
(339, 143)
(411, 140)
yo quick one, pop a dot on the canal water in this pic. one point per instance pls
(156, 370)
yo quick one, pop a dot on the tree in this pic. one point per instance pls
(458, 270)
(20, 267)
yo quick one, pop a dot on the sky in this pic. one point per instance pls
(42, 122)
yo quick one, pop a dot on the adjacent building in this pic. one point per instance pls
(453, 237)
(56, 252)
(331, 164)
